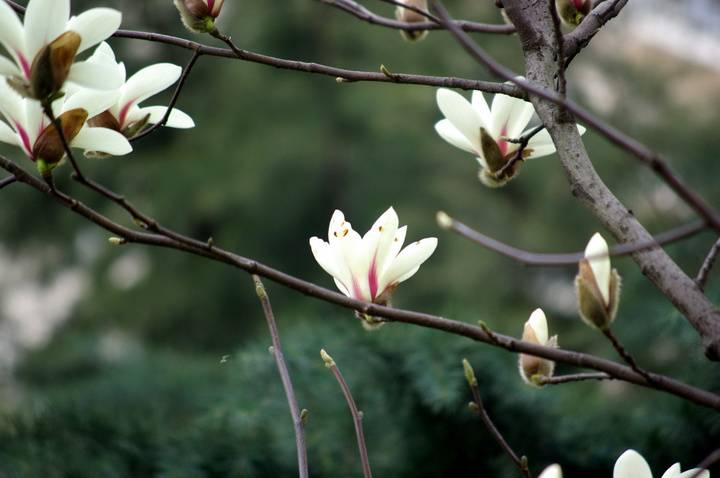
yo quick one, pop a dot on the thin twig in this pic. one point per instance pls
(579, 38)
(477, 406)
(575, 377)
(709, 460)
(285, 377)
(175, 97)
(618, 371)
(357, 415)
(7, 181)
(563, 259)
(560, 51)
(707, 265)
(615, 136)
(523, 142)
(624, 354)
(47, 109)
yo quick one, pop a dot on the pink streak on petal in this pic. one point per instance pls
(123, 113)
(24, 64)
(373, 280)
(356, 290)
(25, 139)
(210, 4)
(578, 3)
(503, 145)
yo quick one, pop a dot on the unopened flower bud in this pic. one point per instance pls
(443, 220)
(536, 332)
(116, 241)
(552, 471)
(199, 16)
(412, 16)
(572, 12)
(49, 146)
(597, 285)
(329, 362)
(50, 68)
(469, 373)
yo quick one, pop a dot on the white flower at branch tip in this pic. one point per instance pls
(43, 48)
(199, 16)
(125, 115)
(552, 471)
(535, 331)
(411, 16)
(484, 131)
(597, 285)
(27, 127)
(631, 464)
(370, 267)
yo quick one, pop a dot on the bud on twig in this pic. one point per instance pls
(329, 362)
(597, 285)
(116, 241)
(536, 332)
(443, 220)
(572, 12)
(412, 16)
(48, 149)
(469, 373)
(199, 16)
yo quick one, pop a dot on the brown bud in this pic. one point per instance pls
(198, 16)
(49, 146)
(105, 120)
(412, 16)
(591, 306)
(491, 151)
(51, 66)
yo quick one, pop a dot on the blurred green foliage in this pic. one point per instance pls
(134, 384)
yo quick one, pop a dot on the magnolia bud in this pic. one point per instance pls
(49, 146)
(572, 12)
(411, 16)
(536, 332)
(597, 285)
(329, 362)
(199, 16)
(469, 373)
(51, 65)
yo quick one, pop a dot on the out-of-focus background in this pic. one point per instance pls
(132, 361)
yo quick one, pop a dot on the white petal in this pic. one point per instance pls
(94, 26)
(92, 101)
(510, 116)
(7, 134)
(177, 118)
(538, 322)
(11, 31)
(409, 258)
(103, 140)
(541, 145)
(11, 104)
(148, 82)
(482, 109)
(335, 221)
(450, 133)
(342, 287)
(693, 474)
(631, 465)
(95, 75)
(45, 20)
(672, 472)
(461, 114)
(377, 242)
(103, 54)
(34, 120)
(7, 67)
(324, 255)
(552, 471)
(519, 118)
(598, 256)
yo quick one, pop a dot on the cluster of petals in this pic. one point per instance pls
(369, 267)
(45, 21)
(631, 464)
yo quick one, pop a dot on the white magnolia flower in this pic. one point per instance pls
(484, 131)
(45, 22)
(632, 465)
(552, 471)
(412, 16)
(126, 115)
(535, 331)
(29, 128)
(369, 267)
(199, 15)
(597, 284)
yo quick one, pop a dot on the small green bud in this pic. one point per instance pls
(116, 241)
(469, 373)
(443, 220)
(329, 362)
(304, 414)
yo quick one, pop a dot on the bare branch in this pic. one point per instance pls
(7, 181)
(710, 460)
(285, 377)
(707, 265)
(359, 11)
(357, 415)
(565, 258)
(576, 377)
(579, 38)
(477, 406)
(622, 351)
(618, 371)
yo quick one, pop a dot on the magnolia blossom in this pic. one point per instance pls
(597, 284)
(535, 331)
(370, 267)
(632, 465)
(411, 16)
(43, 48)
(29, 128)
(125, 115)
(485, 131)
(199, 15)
(552, 471)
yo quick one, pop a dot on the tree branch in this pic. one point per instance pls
(576, 377)
(284, 377)
(7, 181)
(357, 415)
(618, 371)
(579, 38)
(707, 265)
(624, 354)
